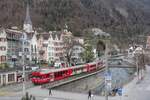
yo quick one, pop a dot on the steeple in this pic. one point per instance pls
(27, 27)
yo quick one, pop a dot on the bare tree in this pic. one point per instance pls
(141, 60)
(68, 47)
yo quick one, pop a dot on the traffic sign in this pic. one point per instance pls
(108, 78)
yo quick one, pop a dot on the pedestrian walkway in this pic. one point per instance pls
(140, 91)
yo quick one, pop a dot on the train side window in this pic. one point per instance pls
(55, 74)
(59, 74)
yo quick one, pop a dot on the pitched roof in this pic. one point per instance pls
(54, 33)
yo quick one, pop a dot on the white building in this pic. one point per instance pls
(10, 45)
(77, 50)
(3, 46)
(148, 43)
(34, 49)
(50, 46)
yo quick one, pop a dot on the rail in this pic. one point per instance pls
(121, 66)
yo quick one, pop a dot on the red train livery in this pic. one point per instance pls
(43, 76)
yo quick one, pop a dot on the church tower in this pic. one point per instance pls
(27, 27)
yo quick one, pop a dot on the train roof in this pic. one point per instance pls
(46, 71)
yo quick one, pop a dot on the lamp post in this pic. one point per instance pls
(23, 39)
(106, 69)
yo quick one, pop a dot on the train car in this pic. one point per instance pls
(100, 64)
(92, 66)
(48, 75)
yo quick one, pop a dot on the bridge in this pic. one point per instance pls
(121, 66)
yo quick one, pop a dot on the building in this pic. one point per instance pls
(76, 54)
(77, 50)
(8, 77)
(10, 46)
(42, 47)
(3, 46)
(55, 46)
(34, 49)
(148, 43)
(50, 46)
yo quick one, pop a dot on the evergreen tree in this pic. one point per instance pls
(88, 54)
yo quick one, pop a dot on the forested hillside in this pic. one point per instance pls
(119, 17)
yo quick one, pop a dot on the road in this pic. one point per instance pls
(132, 91)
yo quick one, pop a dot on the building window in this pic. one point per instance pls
(49, 54)
(32, 48)
(11, 77)
(2, 58)
(2, 48)
(26, 50)
(2, 39)
(35, 47)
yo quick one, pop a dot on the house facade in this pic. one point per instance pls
(77, 50)
(3, 46)
(50, 46)
(10, 46)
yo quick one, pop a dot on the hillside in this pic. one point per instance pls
(119, 17)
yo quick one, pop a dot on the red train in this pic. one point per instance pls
(48, 75)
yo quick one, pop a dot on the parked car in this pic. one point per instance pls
(33, 68)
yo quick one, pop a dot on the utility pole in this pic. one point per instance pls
(106, 69)
(137, 67)
(23, 58)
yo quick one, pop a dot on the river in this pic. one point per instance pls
(120, 77)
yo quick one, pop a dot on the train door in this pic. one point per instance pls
(85, 69)
(70, 72)
(4, 79)
(88, 67)
(51, 76)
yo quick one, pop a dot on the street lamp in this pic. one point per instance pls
(23, 39)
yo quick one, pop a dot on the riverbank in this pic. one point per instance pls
(120, 77)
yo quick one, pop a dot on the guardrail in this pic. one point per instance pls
(121, 66)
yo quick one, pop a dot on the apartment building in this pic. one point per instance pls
(77, 50)
(50, 46)
(10, 46)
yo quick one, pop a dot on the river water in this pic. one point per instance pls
(120, 77)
